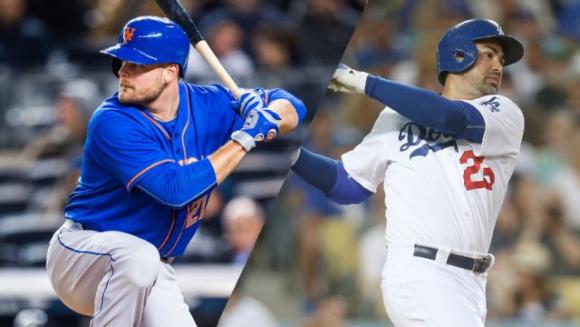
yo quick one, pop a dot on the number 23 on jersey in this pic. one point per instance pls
(474, 167)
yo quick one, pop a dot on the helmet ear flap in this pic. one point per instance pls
(116, 65)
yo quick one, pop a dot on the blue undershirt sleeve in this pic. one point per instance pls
(346, 190)
(175, 185)
(456, 118)
(329, 176)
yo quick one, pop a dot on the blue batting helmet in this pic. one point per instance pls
(150, 40)
(457, 52)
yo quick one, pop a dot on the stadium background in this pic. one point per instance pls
(51, 79)
(318, 264)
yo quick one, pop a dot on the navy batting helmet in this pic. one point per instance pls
(457, 52)
(150, 40)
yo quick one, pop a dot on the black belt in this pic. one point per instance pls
(478, 264)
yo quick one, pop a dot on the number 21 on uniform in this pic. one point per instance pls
(196, 210)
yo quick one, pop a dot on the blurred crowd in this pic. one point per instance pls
(536, 277)
(247, 35)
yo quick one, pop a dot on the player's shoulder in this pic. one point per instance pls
(387, 121)
(389, 114)
(209, 90)
(111, 112)
(494, 103)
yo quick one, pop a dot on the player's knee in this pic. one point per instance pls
(140, 267)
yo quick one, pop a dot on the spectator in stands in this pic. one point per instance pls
(225, 37)
(380, 53)
(243, 219)
(275, 49)
(244, 309)
(24, 40)
(250, 14)
(331, 311)
(566, 184)
(65, 138)
(533, 297)
(325, 24)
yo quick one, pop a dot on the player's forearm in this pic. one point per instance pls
(288, 114)
(225, 159)
(330, 177)
(290, 108)
(428, 108)
(318, 170)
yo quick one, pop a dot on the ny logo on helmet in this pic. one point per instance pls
(128, 34)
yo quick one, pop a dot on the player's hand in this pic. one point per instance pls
(348, 80)
(260, 125)
(249, 100)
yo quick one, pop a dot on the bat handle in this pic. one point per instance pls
(203, 48)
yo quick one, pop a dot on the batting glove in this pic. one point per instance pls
(348, 80)
(259, 125)
(249, 100)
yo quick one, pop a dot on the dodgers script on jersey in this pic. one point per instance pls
(439, 190)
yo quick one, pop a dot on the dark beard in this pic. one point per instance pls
(145, 99)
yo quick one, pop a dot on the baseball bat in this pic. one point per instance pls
(175, 11)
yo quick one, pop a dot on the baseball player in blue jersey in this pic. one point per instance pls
(445, 161)
(153, 154)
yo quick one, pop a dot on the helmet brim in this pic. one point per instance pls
(121, 52)
(512, 48)
(126, 53)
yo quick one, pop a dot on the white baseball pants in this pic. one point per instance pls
(422, 292)
(116, 278)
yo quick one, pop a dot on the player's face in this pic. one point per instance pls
(485, 76)
(140, 84)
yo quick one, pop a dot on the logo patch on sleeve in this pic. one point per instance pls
(492, 104)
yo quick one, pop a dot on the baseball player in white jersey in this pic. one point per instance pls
(445, 162)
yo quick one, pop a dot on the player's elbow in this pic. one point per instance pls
(346, 200)
(168, 197)
(348, 192)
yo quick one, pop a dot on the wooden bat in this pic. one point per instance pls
(175, 11)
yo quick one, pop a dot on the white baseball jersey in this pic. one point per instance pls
(439, 190)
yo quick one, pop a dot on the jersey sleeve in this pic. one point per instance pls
(504, 126)
(368, 161)
(220, 99)
(123, 149)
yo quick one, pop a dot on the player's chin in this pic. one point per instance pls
(490, 86)
(127, 96)
(488, 89)
(124, 98)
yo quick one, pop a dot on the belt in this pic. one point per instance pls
(479, 264)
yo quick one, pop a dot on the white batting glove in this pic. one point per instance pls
(348, 80)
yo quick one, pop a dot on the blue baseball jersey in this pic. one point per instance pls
(150, 178)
